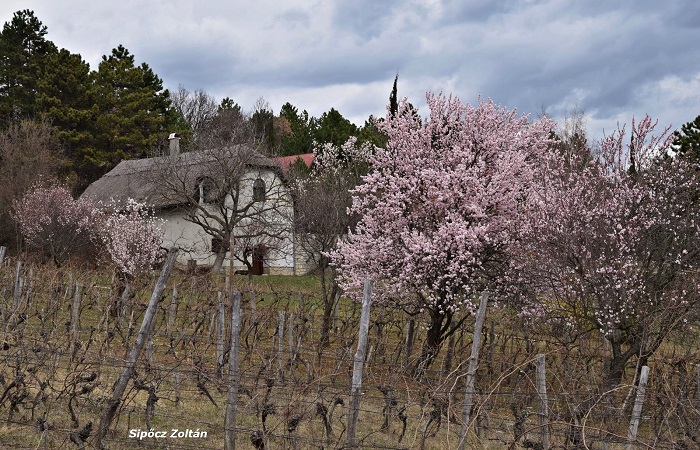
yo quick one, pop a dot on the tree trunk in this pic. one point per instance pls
(359, 360)
(439, 323)
(328, 317)
(219, 261)
(329, 299)
(617, 362)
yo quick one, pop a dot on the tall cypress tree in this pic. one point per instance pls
(393, 101)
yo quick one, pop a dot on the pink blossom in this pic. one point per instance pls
(439, 207)
(132, 237)
(613, 245)
(52, 221)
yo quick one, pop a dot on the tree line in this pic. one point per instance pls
(62, 119)
(584, 237)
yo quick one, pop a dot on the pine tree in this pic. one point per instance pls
(132, 111)
(301, 126)
(334, 129)
(687, 140)
(24, 52)
(66, 97)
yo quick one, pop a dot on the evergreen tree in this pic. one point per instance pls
(371, 134)
(300, 136)
(393, 100)
(334, 129)
(66, 97)
(24, 51)
(227, 104)
(687, 140)
(132, 111)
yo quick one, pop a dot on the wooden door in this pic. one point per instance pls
(258, 260)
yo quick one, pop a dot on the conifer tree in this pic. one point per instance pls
(687, 140)
(132, 111)
(24, 51)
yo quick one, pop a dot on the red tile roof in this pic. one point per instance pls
(286, 161)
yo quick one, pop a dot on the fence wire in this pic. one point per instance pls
(57, 369)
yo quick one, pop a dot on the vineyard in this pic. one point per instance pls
(67, 337)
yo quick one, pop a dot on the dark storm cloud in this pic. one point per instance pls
(365, 20)
(610, 59)
(601, 58)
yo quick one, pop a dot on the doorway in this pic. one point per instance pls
(259, 259)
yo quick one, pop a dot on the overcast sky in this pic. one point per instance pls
(612, 59)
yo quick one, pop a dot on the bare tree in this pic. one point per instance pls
(262, 121)
(29, 151)
(231, 191)
(572, 139)
(322, 219)
(198, 108)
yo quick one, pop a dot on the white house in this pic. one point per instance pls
(199, 195)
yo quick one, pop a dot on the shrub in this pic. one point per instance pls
(132, 238)
(56, 224)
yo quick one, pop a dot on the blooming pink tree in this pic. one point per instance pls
(132, 237)
(131, 240)
(53, 222)
(612, 246)
(440, 207)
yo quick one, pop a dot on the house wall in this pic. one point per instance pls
(303, 262)
(277, 211)
(190, 238)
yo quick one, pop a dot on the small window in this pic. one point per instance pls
(205, 191)
(259, 190)
(219, 245)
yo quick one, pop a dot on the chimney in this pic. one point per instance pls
(174, 140)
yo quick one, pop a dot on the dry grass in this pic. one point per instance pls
(36, 354)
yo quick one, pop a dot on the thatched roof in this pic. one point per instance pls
(163, 181)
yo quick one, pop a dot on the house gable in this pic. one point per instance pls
(172, 184)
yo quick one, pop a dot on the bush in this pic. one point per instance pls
(132, 238)
(55, 223)
(58, 225)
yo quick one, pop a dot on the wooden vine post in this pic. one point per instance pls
(471, 371)
(233, 374)
(355, 392)
(543, 405)
(637, 408)
(144, 333)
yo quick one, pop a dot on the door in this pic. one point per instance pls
(258, 260)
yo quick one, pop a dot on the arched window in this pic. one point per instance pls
(205, 190)
(259, 190)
